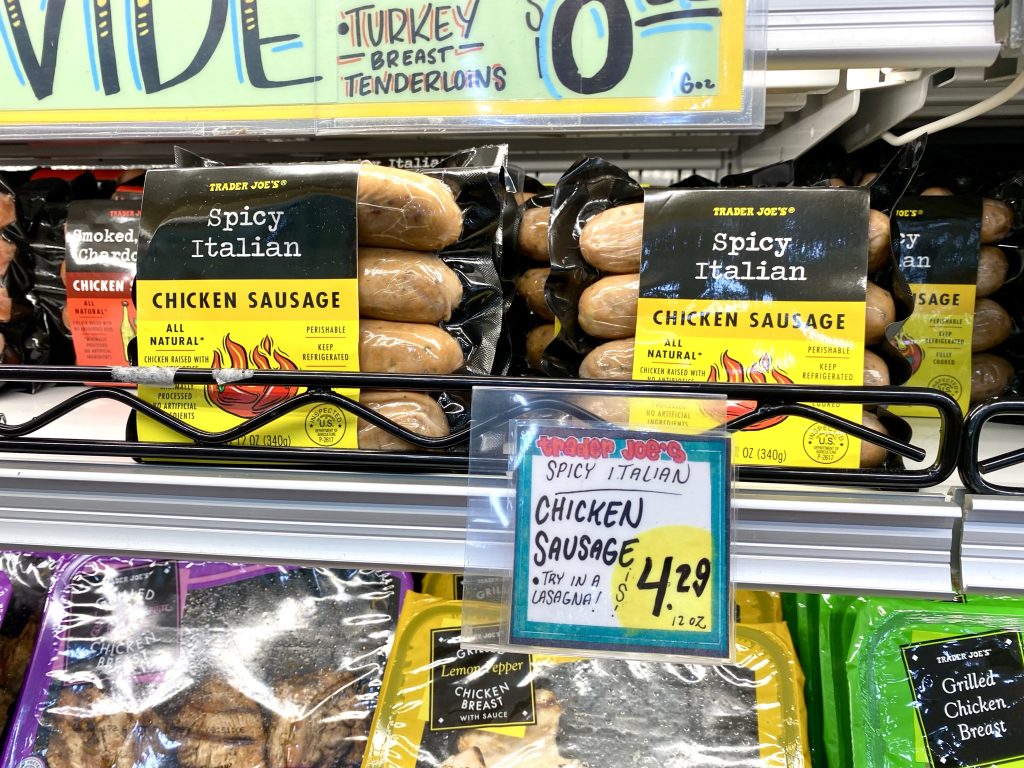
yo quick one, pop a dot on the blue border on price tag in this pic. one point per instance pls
(715, 644)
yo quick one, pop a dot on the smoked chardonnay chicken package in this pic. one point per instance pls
(328, 267)
(936, 683)
(449, 707)
(101, 253)
(29, 576)
(144, 663)
(747, 284)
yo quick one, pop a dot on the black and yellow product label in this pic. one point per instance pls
(969, 696)
(253, 269)
(473, 689)
(762, 286)
(940, 240)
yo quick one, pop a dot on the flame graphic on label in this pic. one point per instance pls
(246, 401)
(758, 373)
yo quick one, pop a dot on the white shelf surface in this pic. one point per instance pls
(786, 537)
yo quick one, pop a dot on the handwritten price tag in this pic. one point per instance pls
(622, 543)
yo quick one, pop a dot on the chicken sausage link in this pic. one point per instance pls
(402, 209)
(530, 285)
(388, 347)
(406, 286)
(608, 307)
(415, 411)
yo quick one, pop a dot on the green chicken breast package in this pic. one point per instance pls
(937, 684)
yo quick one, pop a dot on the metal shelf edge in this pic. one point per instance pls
(865, 542)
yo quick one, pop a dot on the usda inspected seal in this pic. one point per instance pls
(325, 425)
(947, 384)
(826, 445)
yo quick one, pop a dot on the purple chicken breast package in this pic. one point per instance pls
(29, 576)
(163, 664)
(5, 595)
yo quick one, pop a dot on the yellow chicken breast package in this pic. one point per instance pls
(447, 707)
(751, 607)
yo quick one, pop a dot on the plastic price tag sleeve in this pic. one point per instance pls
(590, 537)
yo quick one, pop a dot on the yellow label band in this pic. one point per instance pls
(936, 340)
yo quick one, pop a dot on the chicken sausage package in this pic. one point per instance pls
(745, 285)
(145, 663)
(329, 267)
(445, 706)
(30, 576)
(937, 683)
(950, 256)
(99, 267)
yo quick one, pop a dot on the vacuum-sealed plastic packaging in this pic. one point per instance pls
(754, 282)
(442, 705)
(145, 663)
(6, 696)
(836, 615)
(936, 683)
(354, 267)
(801, 614)
(530, 319)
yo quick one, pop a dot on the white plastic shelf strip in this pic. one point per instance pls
(912, 34)
(799, 540)
(992, 545)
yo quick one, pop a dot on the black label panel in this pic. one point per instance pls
(939, 239)
(258, 222)
(124, 623)
(476, 689)
(970, 697)
(755, 244)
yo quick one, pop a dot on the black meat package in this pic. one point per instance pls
(419, 221)
(756, 281)
(149, 664)
(529, 317)
(35, 326)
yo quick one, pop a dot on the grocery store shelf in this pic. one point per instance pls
(786, 537)
(863, 543)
